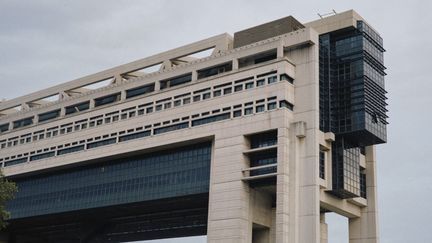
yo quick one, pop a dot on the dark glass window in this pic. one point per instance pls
(107, 99)
(363, 184)
(269, 157)
(134, 136)
(228, 90)
(272, 79)
(238, 88)
(206, 96)
(4, 127)
(285, 77)
(139, 91)
(15, 162)
(23, 122)
(263, 139)
(177, 102)
(286, 104)
(77, 107)
(42, 156)
(211, 119)
(49, 115)
(237, 113)
(226, 67)
(271, 106)
(171, 128)
(165, 174)
(260, 82)
(248, 111)
(322, 164)
(249, 85)
(176, 81)
(70, 150)
(101, 143)
(260, 108)
(217, 93)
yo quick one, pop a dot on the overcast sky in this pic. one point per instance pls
(43, 43)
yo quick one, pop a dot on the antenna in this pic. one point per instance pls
(333, 12)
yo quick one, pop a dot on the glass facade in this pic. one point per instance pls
(352, 99)
(177, 172)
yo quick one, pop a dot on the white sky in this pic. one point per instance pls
(43, 43)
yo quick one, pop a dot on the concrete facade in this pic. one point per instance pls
(292, 210)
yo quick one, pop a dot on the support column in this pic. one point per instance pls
(283, 188)
(324, 229)
(365, 229)
(229, 217)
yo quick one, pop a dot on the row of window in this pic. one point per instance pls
(182, 79)
(184, 99)
(144, 131)
(169, 173)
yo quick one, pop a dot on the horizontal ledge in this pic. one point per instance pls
(260, 149)
(250, 178)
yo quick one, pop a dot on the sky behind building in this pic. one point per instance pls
(44, 43)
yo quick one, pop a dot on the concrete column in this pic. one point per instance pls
(324, 229)
(365, 229)
(229, 217)
(283, 200)
(235, 64)
(194, 75)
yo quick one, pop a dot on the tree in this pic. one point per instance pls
(7, 192)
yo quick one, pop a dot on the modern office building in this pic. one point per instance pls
(255, 142)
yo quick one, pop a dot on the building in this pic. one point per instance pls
(254, 143)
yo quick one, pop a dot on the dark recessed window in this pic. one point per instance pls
(23, 122)
(49, 115)
(271, 106)
(322, 164)
(248, 111)
(260, 82)
(249, 85)
(237, 113)
(260, 108)
(139, 91)
(217, 93)
(107, 99)
(77, 107)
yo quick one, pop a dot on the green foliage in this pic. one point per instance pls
(7, 191)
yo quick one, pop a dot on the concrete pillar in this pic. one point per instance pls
(229, 217)
(283, 200)
(324, 229)
(365, 229)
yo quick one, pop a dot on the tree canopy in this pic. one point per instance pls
(7, 192)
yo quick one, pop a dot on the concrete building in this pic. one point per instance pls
(254, 143)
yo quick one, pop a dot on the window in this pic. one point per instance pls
(206, 96)
(167, 105)
(286, 104)
(248, 111)
(177, 102)
(217, 93)
(4, 127)
(107, 99)
(260, 108)
(237, 113)
(186, 101)
(139, 91)
(271, 106)
(226, 67)
(149, 110)
(158, 107)
(176, 81)
(261, 140)
(363, 183)
(196, 98)
(322, 164)
(260, 82)
(272, 79)
(285, 77)
(23, 122)
(227, 90)
(211, 119)
(77, 107)
(238, 88)
(249, 85)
